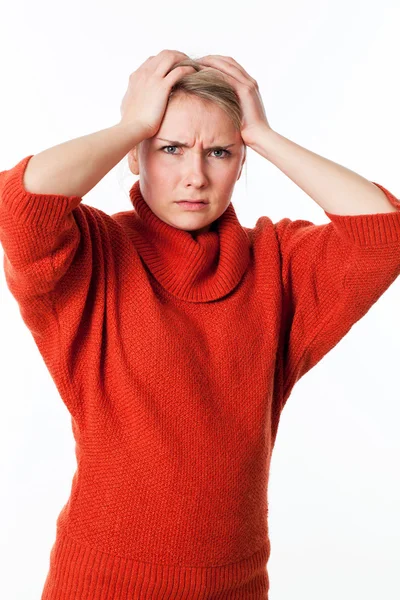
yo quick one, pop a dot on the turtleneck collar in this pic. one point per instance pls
(198, 269)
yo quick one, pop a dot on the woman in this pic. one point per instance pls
(175, 335)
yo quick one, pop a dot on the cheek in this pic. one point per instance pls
(158, 169)
(230, 175)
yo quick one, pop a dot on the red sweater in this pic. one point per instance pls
(175, 357)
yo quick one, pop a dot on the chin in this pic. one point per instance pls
(194, 229)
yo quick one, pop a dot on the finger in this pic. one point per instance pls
(230, 78)
(166, 61)
(217, 59)
(176, 73)
(227, 69)
(223, 64)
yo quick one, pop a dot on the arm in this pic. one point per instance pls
(41, 224)
(332, 274)
(336, 189)
(55, 246)
(74, 167)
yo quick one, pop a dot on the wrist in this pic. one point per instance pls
(137, 132)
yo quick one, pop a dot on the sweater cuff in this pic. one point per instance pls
(370, 229)
(43, 211)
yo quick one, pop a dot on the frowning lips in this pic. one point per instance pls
(204, 200)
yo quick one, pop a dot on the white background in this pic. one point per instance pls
(328, 75)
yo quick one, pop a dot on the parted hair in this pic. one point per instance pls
(210, 86)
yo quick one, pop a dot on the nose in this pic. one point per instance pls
(196, 171)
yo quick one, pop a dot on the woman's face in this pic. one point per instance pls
(202, 170)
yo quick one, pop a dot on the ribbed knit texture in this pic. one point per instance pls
(175, 357)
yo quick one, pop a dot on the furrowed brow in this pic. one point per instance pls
(176, 143)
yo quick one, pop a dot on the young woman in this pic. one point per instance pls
(174, 334)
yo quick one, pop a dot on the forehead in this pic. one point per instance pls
(193, 116)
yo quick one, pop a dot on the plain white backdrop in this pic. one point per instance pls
(328, 76)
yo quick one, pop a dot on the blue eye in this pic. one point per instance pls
(222, 150)
(227, 153)
(168, 147)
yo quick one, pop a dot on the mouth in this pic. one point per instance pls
(192, 204)
(202, 201)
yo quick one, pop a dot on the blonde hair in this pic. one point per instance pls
(211, 86)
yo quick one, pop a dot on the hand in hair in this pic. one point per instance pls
(146, 98)
(254, 117)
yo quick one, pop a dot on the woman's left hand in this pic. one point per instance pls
(254, 119)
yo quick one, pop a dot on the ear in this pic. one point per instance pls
(133, 161)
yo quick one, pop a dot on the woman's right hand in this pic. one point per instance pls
(146, 98)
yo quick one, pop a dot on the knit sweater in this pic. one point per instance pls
(175, 356)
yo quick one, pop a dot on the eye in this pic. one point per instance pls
(168, 147)
(227, 153)
(222, 150)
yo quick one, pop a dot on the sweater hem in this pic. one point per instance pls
(81, 572)
(375, 229)
(37, 210)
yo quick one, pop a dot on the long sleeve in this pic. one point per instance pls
(331, 276)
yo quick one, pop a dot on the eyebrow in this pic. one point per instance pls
(176, 143)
